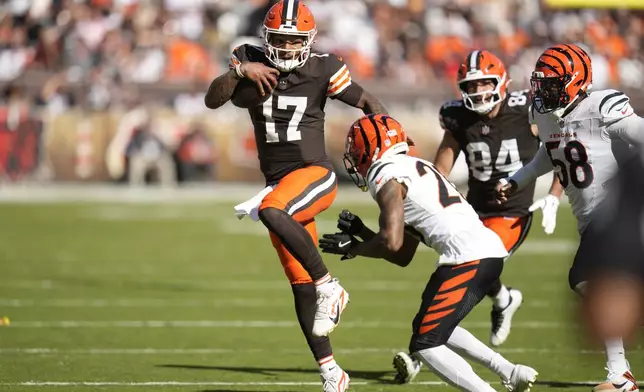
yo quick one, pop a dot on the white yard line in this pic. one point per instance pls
(225, 383)
(251, 324)
(245, 351)
(193, 303)
(414, 287)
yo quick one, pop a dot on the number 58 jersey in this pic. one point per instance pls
(494, 149)
(436, 212)
(585, 148)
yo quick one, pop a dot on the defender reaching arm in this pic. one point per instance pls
(391, 242)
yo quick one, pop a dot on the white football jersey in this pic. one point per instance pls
(585, 150)
(436, 210)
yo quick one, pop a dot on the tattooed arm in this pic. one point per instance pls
(221, 89)
(370, 104)
(358, 97)
(391, 242)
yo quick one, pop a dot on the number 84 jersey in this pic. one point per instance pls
(494, 148)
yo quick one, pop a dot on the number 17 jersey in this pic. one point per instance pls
(494, 148)
(289, 126)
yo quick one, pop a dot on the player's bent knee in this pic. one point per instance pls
(270, 216)
(422, 342)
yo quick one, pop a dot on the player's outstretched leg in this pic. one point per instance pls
(619, 378)
(334, 379)
(305, 296)
(295, 202)
(514, 377)
(451, 293)
(506, 301)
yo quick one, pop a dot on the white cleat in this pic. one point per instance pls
(335, 380)
(618, 383)
(502, 318)
(407, 368)
(332, 299)
(521, 380)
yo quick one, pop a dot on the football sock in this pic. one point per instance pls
(616, 356)
(462, 340)
(502, 297)
(327, 364)
(453, 369)
(305, 298)
(296, 240)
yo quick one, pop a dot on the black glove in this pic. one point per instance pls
(349, 223)
(338, 244)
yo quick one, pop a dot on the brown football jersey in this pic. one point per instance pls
(289, 126)
(494, 148)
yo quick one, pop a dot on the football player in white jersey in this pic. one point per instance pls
(417, 203)
(585, 136)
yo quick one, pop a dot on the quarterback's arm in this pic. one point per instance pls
(221, 89)
(356, 96)
(447, 154)
(538, 166)
(390, 243)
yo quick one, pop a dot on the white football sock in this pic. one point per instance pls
(453, 369)
(616, 356)
(502, 299)
(327, 364)
(473, 348)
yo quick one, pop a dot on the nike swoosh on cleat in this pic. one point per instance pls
(618, 386)
(337, 314)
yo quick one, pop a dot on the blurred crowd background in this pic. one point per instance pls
(91, 81)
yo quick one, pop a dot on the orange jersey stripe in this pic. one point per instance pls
(457, 280)
(426, 328)
(429, 317)
(448, 299)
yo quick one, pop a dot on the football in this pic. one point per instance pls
(246, 95)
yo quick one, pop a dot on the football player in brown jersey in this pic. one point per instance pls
(288, 121)
(491, 126)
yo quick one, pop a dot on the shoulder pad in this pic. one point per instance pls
(613, 106)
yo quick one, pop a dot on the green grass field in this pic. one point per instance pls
(174, 297)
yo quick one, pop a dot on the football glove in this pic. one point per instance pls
(549, 205)
(504, 188)
(349, 223)
(338, 244)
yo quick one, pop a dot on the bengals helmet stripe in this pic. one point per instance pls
(367, 147)
(372, 119)
(562, 75)
(582, 61)
(474, 60)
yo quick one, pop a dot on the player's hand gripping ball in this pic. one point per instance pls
(256, 86)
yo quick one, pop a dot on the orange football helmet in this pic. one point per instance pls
(370, 138)
(289, 18)
(563, 73)
(482, 65)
